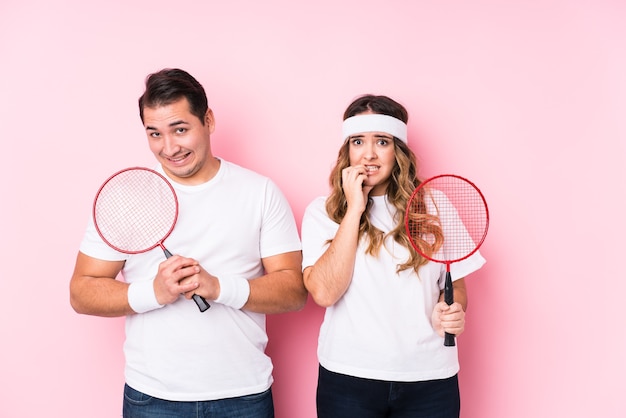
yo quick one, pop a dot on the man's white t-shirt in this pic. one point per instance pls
(381, 327)
(177, 352)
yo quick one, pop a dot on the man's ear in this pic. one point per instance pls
(209, 120)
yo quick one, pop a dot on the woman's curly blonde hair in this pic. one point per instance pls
(402, 183)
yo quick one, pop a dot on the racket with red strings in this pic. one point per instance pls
(135, 210)
(446, 220)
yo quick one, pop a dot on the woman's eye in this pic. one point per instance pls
(357, 141)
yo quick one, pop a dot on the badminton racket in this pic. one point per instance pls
(447, 220)
(135, 210)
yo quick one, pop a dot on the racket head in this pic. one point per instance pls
(135, 210)
(446, 218)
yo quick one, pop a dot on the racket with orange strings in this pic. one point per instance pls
(446, 220)
(135, 210)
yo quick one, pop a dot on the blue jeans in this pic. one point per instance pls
(342, 396)
(140, 405)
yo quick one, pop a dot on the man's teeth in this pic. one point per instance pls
(178, 159)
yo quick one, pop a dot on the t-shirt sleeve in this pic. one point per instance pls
(465, 267)
(462, 242)
(317, 229)
(93, 245)
(279, 233)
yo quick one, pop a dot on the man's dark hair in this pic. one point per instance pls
(170, 85)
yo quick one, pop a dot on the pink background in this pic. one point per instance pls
(526, 98)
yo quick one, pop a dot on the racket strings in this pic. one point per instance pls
(424, 228)
(135, 210)
(460, 219)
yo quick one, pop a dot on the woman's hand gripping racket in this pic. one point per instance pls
(135, 210)
(447, 220)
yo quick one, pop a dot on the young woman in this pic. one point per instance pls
(381, 349)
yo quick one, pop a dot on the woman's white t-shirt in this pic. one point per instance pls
(381, 327)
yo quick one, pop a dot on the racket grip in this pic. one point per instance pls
(448, 296)
(203, 305)
(201, 302)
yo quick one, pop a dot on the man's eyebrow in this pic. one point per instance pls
(175, 123)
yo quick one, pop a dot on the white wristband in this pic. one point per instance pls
(234, 292)
(141, 297)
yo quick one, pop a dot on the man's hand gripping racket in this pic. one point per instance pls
(135, 210)
(447, 220)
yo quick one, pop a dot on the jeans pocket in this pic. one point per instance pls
(135, 397)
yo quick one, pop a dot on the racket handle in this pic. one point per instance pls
(201, 302)
(203, 305)
(448, 297)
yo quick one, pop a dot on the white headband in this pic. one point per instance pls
(374, 123)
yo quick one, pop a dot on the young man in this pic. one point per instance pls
(236, 244)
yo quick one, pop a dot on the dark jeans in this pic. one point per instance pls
(140, 405)
(341, 396)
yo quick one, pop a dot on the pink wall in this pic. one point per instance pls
(526, 98)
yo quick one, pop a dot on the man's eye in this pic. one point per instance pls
(155, 134)
(181, 130)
